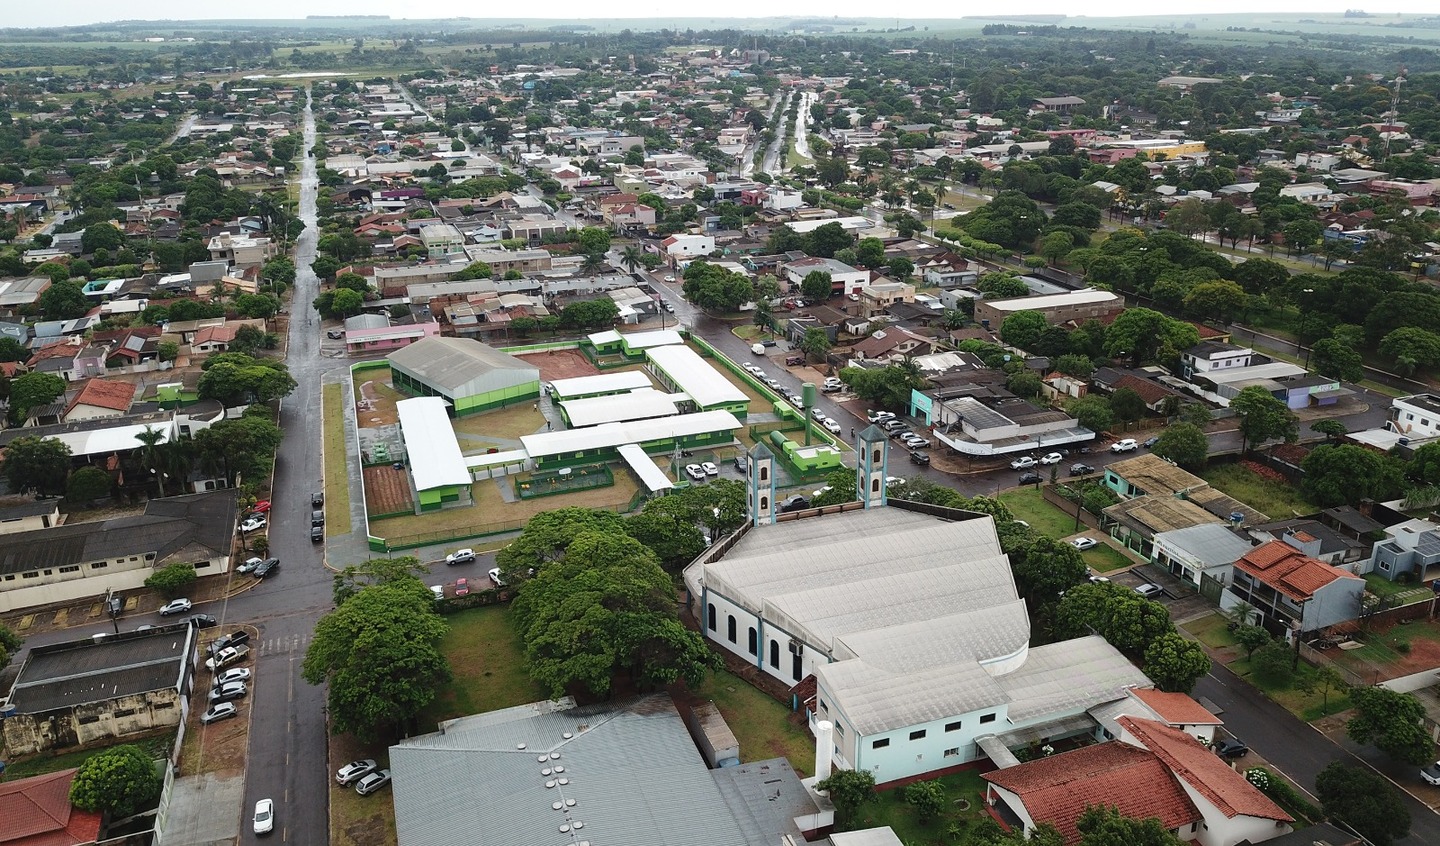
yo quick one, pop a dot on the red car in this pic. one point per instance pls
(462, 587)
(261, 507)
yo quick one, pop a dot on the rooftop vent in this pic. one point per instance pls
(520, 746)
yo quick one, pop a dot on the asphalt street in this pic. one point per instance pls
(1294, 748)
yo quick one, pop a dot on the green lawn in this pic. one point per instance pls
(488, 664)
(156, 747)
(1106, 559)
(1212, 630)
(1029, 505)
(1381, 586)
(1276, 499)
(890, 808)
(760, 723)
(337, 478)
(1307, 705)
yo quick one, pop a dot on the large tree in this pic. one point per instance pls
(1129, 621)
(39, 463)
(1346, 474)
(848, 790)
(379, 653)
(1392, 722)
(1023, 328)
(1102, 825)
(30, 390)
(1141, 334)
(1263, 417)
(242, 448)
(1364, 801)
(64, 301)
(10, 644)
(1184, 444)
(606, 607)
(240, 379)
(817, 286)
(1175, 663)
(119, 781)
(1127, 405)
(1337, 359)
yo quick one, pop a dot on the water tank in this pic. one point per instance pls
(1237, 517)
(807, 394)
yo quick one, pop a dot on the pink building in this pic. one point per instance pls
(373, 333)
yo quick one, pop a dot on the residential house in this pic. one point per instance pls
(1316, 539)
(1212, 356)
(844, 279)
(18, 294)
(1155, 395)
(241, 250)
(369, 333)
(80, 693)
(626, 215)
(532, 228)
(1159, 497)
(1410, 547)
(1202, 555)
(441, 240)
(891, 344)
(947, 270)
(1417, 416)
(878, 297)
(681, 248)
(99, 398)
(1151, 771)
(37, 812)
(1291, 592)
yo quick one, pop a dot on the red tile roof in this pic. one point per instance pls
(1057, 789)
(1288, 570)
(37, 812)
(1176, 708)
(1204, 771)
(1150, 392)
(104, 394)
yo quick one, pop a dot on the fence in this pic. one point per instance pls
(564, 480)
(1054, 498)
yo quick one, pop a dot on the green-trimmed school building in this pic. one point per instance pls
(468, 375)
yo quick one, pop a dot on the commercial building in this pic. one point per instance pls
(468, 375)
(83, 560)
(977, 421)
(609, 773)
(1156, 497)
(83, 691)
(1077, 306)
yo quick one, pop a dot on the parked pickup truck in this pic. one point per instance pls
(227, 656)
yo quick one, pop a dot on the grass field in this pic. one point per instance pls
(337, 478)
(890, 808)
(759, 722)
(1106, 559)
(1029, 505)
(1213, 630)
(488, 664)
(157, 747)
(1276, 499)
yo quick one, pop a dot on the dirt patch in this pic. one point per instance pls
(376, 404)
(387, 491)
(357, 820)
(560, 364)
(218, 748)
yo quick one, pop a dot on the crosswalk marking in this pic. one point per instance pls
(284, 645)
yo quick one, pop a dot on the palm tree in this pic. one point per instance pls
(152, 454)
(593, 263)
(630, 257)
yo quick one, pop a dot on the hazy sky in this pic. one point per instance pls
(72, 12)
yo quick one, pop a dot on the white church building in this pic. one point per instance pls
(908, 618)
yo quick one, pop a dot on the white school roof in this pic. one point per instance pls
(626, 380)
(691, 374)
(654, 338)
(651, 476)
(615, 408)
(617, 434)
(435, 458)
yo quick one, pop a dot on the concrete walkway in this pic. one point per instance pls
(204, 810)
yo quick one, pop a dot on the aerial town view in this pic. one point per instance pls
(981, 428)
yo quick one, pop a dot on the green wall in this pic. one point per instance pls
(436, 498)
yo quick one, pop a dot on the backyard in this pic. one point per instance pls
(759, 722)
(1278, 500)
(157, 746)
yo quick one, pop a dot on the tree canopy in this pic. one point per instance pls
(379, 652)
(1364, 801)
(1392, 722)
(119, 781)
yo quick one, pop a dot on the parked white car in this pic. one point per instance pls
(694, 471)
(253, 522)
(1024, 462)
(1127, 445)
(1052, 458)
(1083, 544)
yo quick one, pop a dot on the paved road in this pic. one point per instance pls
(287, 756)
(1293, 747)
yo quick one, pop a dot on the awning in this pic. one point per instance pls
(1055, 730)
